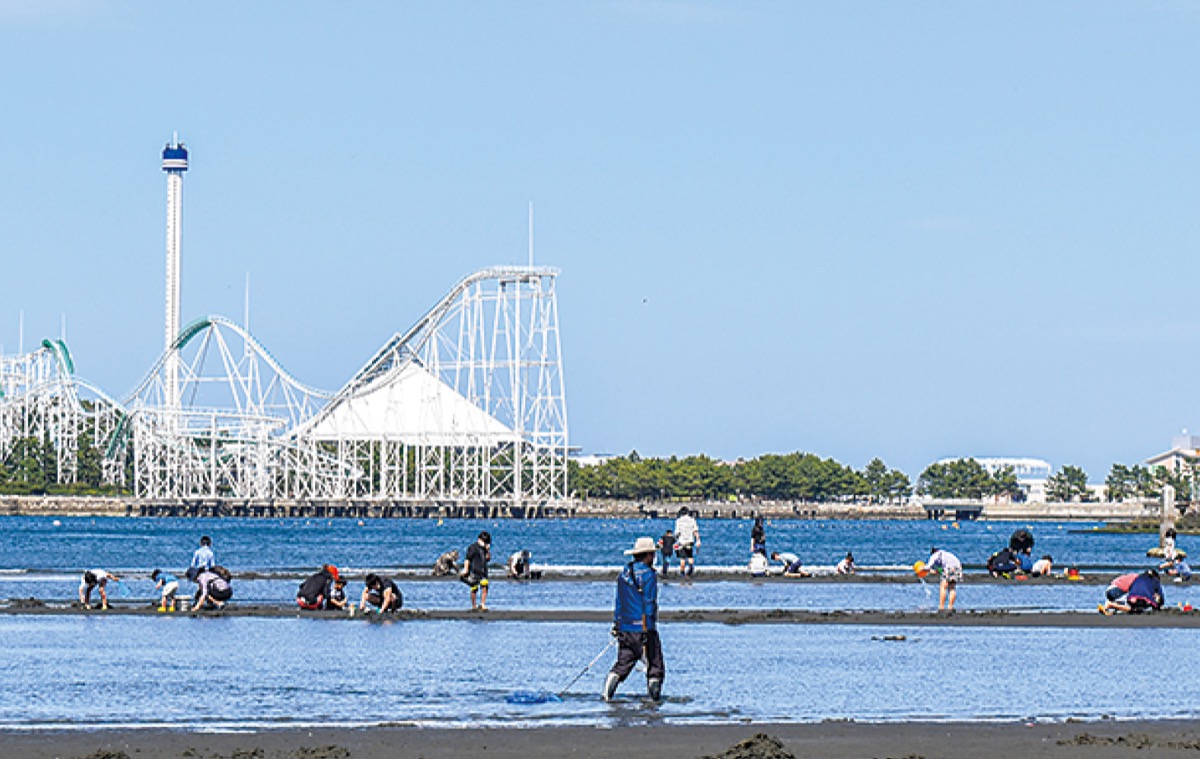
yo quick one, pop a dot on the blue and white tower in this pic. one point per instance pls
(174, 162)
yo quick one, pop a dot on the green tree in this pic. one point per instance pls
(1120, 484)
(1004, 484)
(963, 478)
(1067, 484)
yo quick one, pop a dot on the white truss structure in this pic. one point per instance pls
(469, 404)
(58, 422)
(466, 406)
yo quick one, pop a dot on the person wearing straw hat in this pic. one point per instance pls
(635, 621)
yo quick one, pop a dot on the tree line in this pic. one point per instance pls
(790, 476)
(31, 467)
(809, 478)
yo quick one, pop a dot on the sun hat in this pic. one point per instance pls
(643, 545)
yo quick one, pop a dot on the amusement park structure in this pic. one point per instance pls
(467, 407)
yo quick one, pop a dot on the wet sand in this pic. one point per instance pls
(829, 740)
(1173, 618)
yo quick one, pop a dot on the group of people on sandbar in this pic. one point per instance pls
(213, 583)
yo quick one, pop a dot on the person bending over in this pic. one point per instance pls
(791, 564)
(95, 579)
(948, 566)
(168, 584)
(314, 592)
(214, 588)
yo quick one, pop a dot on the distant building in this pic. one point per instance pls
(1184, 453)
(1031, 474)
(591, 459)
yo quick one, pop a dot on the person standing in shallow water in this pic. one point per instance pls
(666, 547)
(635, 622)
(475, 570)
(687, 536)
(202, 558)
(950, 569)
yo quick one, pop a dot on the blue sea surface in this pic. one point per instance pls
(43, 543)
(232, 673)
(245, 673)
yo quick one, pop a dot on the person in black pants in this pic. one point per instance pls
(635, 622)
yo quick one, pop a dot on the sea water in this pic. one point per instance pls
(266, 545)
(244, 673)
(43, 558)
(240, 673)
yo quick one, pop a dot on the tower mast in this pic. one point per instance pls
(174, 162)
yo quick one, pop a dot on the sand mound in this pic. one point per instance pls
(761, 746)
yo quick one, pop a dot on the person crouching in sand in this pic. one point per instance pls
(635, 621)
(1143, 592)
(381, 594)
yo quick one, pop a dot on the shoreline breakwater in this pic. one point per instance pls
(128, 506)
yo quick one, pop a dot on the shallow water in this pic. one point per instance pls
(238, 673)
(598, 595)
(298, 544)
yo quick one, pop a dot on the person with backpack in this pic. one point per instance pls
(315, 592)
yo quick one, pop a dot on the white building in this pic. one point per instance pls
(1031, 474)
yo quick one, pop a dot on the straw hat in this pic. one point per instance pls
(643, 545)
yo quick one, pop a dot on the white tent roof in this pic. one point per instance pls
(414, 407)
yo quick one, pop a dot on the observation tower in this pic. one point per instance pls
(174, 162)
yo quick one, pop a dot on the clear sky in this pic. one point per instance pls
(896, 229)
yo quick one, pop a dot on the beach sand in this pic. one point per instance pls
(830, 740)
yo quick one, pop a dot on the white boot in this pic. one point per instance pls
(610, 686)
(654, 688)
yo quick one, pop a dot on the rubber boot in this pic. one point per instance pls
(610, 686)
(654, 688)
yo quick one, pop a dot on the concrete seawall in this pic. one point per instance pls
(592, 508)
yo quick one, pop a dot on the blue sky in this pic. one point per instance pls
(906, 230)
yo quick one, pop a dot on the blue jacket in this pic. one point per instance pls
(637, 597)
(1145, 586)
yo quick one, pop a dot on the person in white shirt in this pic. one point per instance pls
(949, 567)
(791, 564)
(846, 565)
(687, 536)
(95, 578)
(759, 564)
(1043, 566)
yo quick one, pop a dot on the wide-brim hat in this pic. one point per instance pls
(643, 545)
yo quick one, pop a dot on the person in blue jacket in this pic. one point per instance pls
(635, 621)
(1145, 593)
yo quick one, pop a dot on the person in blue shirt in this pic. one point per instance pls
(202, 559)
(635, 621)
(169, 584)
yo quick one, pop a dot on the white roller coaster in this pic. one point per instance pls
(468, 406)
